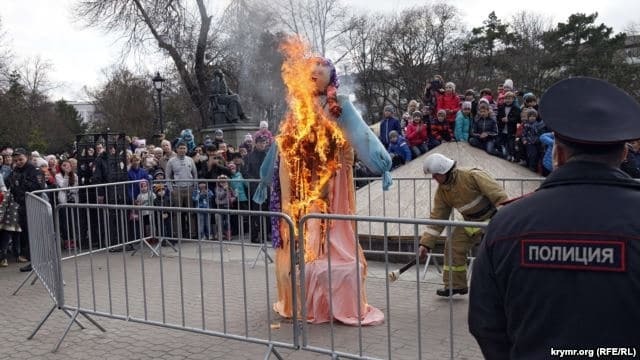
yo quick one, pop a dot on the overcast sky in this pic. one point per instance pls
(44, 28)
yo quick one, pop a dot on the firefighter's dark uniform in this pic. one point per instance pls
(475, 194)
(560, 269)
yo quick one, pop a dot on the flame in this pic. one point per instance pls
(309, 139)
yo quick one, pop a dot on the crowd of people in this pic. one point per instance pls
(213, 174)
(506, 124)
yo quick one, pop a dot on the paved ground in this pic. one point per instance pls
(213, 309)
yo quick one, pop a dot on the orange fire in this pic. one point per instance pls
(309, 139)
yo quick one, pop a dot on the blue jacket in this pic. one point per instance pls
(547, 140)
(202, 201)
(240, 186)
(532, 131)
(463, 124)
(386, 126)
(133, 189)
(401, 148)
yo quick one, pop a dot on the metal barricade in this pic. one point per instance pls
(194, 284)
(406, 326)
(202, 287)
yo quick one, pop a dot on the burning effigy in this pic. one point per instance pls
(310, 170)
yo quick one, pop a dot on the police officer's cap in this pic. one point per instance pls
(590, 111)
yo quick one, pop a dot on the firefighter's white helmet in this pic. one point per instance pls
(437, 164)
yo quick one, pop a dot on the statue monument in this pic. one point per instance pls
(224, 104)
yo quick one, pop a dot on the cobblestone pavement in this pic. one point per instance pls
(241, 308)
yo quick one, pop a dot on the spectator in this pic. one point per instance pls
(240, 187)
(54, 167)
(463, 122)
(252, 171)
(264, 131)
(135, 173)
(449, 102)
(631, 164)
(531, 132)
(218, 137)
(412, 107)
(162, 198)
(530, 101)
(507, 87)
(216, 166)
(7, 162)
(145, 197)
(167, 154)
(67, 178)
(417, 135)
(470, 96)
(483, 129)
(388, 124)
(9, 225)
(247, 143)
(398, 149)
(547, 140)
(183, 169)
(406, 119)
(441, 130)
(202, 198)
(488, 96)
(225, 196)
(432, 90)
(508, 118)
(24, 178)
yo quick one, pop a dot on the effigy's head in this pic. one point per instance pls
(323, 74)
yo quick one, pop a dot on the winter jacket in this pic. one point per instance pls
(547, 140)
(441, 130)
(450, 103)
(400, 148)
(240, 186)
(463, 124)
(512, 119)
(473, 192)
(202, 201)
(531, 132)
(133, 189)
(386, 126)
(417, 133)
(480, 125)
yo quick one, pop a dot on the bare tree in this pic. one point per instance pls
(176, 26)
(34, 73)
(321, 22)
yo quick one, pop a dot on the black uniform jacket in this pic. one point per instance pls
(560, 268)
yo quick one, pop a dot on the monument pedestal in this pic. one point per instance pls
(233, 132)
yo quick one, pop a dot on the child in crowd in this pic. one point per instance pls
(484, 129)
(398, 149)
(225, 196)
(463, 122)
(264, 131)
(470, 96)
(417, 135)
(163, 198)
(441, 130)
(450, 103)
(508, 118)
(531, 138)
(145, 198)
(202, 197)
(241, 188)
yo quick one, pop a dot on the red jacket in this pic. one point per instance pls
(417, 133)
(441, 130)
(451, 103)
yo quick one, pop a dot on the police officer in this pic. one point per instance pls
(476, 195)
(560, 269)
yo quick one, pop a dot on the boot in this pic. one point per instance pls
(445, 292)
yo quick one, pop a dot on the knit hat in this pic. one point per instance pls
(264, 125)
(248, 137)
(158, 172)
(390, 108)
(35, 154)
(20, 151)
(466, 105)
(219, 132)
(508, 84)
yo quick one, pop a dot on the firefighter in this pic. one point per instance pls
(558, 272)
(476, 195)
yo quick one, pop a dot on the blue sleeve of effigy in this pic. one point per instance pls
(266, 174)
(365, 143)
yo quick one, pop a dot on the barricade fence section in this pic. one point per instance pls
(410, 306)
(209, 270)
(45, 254)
